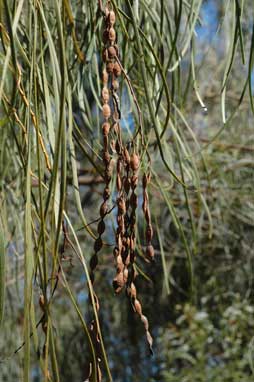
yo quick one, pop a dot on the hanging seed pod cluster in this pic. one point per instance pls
(127, 174)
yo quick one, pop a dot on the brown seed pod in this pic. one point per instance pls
(110, 67)
(101, 227)
(93, 261)
(145, 180)
(97, 244)
(118, 182)
(103, 209)
(105, 128)
(106, 111)
(105, 94)
(104, 77)
(106, 11)
(117, 69)
(119, 264)
(134, 162)
(147, 215)
(134, 181)
(127, 185)
(133, 291)
(149, 233)
(127, 155)
(125, 275)
(118, 282)
(111, 52)
(150, 252)
(145, 322)
(106, 157)
(121, 206)
(134, 200)
(112, 35)
(132, 243)
(106, 193)
(115, 85)
(138, 307)
(127, 260)
(112, 17)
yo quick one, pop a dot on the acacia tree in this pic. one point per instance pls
(119, 127)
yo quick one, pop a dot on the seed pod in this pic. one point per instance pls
(94, 261)
(106, 111)
(110, 67)
(97, 244)
(119, 264)
(134, 162)
(126, 155)
(145, 180)
(150, 252)
(112, 35)
(127, 260)
(105, 94)
(107, 176)
(149, 233)
(127, 185)
(138, 307)
(111, 52)
(105, 128)
(106, 193)
(121, 225)
(145, 322)
(115, 85)
(120, 244)
(125, 275)
(133, 291)
(106, 11)
(144, 205)
(147, 215)
(105, 142)
(117, 69)
(118, 282)
(132, 243)
(103, 209)
(106, 157)
(118, 147)
(101, 227)
(104, 77)
(118, 182)
(112, 17)
(119, 165)
(134, 181)
(134, 200)
(121, 206)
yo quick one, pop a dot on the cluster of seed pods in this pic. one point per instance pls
(127, 177)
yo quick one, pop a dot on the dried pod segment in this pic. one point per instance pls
(146, 210)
